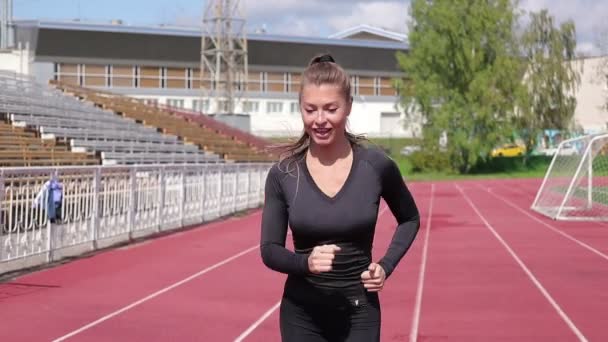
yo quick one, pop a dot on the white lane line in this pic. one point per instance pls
(418, 305)
(556, 230)
(529, 273)
(257, 323)
(277, 305)
(155, 294)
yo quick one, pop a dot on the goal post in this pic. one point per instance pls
(575, 186)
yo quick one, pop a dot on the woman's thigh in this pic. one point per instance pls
(299, 324)
(306, 321)
(365, 321)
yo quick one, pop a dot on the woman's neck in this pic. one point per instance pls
(326, 155)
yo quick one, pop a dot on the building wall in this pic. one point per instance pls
(17, 61)
(366, 117)
(280, 116)
(592, 96)
(272, 99)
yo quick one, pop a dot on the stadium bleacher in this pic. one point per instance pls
(41, 126)
(199, 130)
(19, 148)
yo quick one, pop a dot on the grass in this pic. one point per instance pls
(535, 171)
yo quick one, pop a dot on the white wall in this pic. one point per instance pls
(15, 61)
(592, 96)
(42, 71)
(364, 119)
(366, 114)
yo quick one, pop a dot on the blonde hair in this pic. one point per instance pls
(322, 69)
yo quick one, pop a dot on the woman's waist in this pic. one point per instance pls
(315, 291)
(349, 262)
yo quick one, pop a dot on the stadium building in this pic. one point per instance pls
(161, 65)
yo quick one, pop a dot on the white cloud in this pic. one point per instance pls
(589, 17)
(586, 48)
(322, 18)
(389, 15)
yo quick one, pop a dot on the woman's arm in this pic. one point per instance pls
(274, 231)
(402, 205)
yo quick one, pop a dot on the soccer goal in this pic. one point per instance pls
(575, 186)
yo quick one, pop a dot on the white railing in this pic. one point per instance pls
(101, 204)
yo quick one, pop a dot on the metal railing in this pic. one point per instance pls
(98, 203)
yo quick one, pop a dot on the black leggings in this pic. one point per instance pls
(312, 315)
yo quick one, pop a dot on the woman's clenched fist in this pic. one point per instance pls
(321, 258)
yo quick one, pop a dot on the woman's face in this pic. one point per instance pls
(324, 112)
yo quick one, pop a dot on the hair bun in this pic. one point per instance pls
(324, 58)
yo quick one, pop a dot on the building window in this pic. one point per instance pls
(189, 74)
(274, 107)
(222, 106)
(151, 102)
(197, 107)
(108, 76)
(163, 77)
(56, 71)
(354, 84)
(294, 82)
(288, 85)
(295, 108)
(366, 85)
(136, 77)
(175, 103)
(376, 86)
(94, 75)
(81, 74)
(264, 81)
(251, 106)
(386, 87)
(240, 86)
(150, 77)
(275, 82)
(176, 78)
(123, 76)
(68, 73)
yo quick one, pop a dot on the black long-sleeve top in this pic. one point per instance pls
(292, 199)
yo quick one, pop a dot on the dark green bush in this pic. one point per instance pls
(428, 160)
(511, 164)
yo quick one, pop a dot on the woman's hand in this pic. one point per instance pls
(373, 278)
(321, 258)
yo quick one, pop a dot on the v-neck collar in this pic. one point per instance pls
(342, 189)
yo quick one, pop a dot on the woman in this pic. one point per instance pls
(328, 190)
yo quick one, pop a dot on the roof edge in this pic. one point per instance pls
(369, 29)
(193, 32)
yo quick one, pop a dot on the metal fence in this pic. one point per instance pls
(99, 203)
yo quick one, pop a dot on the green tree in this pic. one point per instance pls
(462, 74)
(551, 79)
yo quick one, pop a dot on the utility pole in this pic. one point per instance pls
(223, 66)
(6, 24)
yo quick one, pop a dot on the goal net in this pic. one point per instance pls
(575, 186)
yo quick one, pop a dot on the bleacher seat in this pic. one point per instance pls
(53, 118)
(208, 134)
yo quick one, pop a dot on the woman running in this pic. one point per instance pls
(327, 188)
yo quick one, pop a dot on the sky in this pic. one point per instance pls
(316, 18)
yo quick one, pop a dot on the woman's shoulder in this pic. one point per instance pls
(282, 168)
(375, 155)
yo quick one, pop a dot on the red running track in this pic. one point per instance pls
(483, 268)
